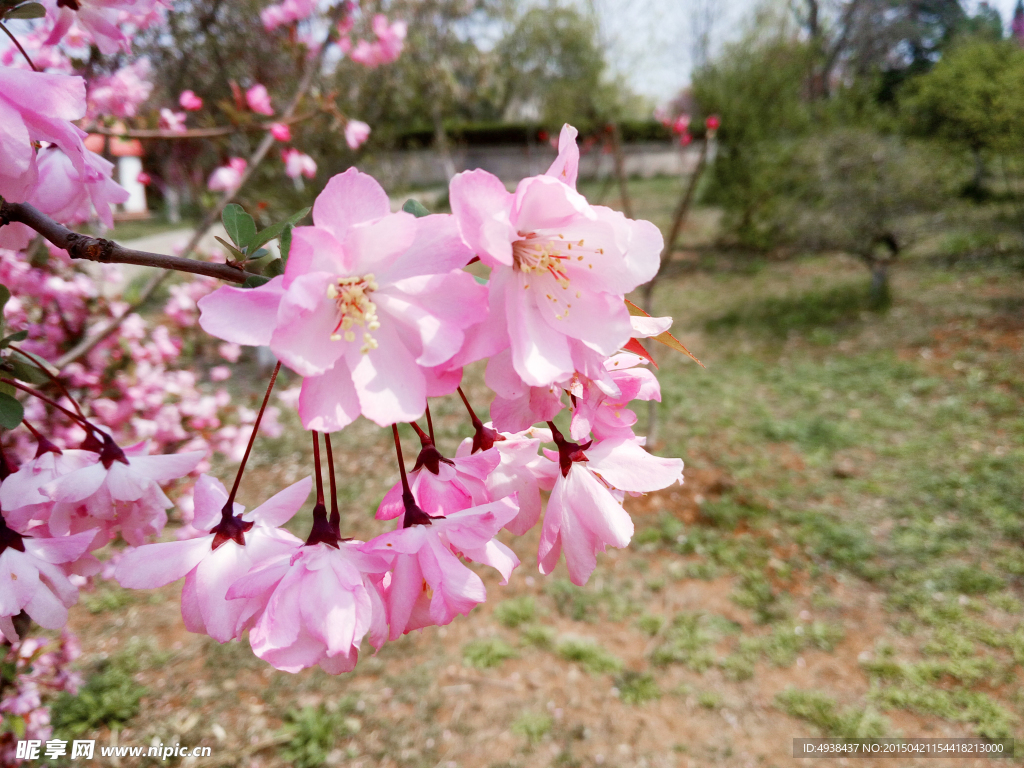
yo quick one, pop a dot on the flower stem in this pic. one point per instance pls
(229, 506)
(430, 425)
(23, 52)
(401, 462)
(70, 414)
(53, 379)
(335, 512)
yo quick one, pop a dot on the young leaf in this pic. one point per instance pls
(26, 11)
(481, 280)
(11, 412)
(286, 243)
(239, 224)
(416, 208)
(634, 346)
(231, 249)
(274, 268)
(665, 338)
(255, 281)
(19, 336)
(23, 371)
(268, 234)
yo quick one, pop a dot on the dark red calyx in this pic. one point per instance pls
(91, 443)
(230, 528)
(45, 446)
(322, 532)
(111, 452)
(430, 457)
(413, 514)
(485, 437)
(568, 451)
(72, 4)
(10, 538)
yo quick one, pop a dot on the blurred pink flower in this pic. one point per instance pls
(297, 164)
(228, 177)
(356, 133)
(121, 94)
(259, 100)
(172, 121)
(280, 132)
(189, 101)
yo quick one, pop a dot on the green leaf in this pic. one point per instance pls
(26, 11)
(295, 218)
(416, 208)
(11, 412)
(5, 295)
(481, 280)
(7, 389)
(255, 281)
(268, 234)
(19, 336)
(26, 372)
(259, 254)
(239, 224)
(234, 251)
(286, 243)
(274, 268)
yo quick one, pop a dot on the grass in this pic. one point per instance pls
(821, 711)
(588, 655)
(487, 653)
(519, 610)
(110, 697)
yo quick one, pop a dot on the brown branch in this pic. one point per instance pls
(108, 327)
(193, 133)
(108, 252)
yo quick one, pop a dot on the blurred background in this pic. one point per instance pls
(841, 187)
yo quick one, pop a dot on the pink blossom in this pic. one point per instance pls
(297, 164)
(280, 132)
(230, 352)
(442, 486)
(21, 496)
(144, 178)
(32, 581)
(100, 19)
(320, 603)
(369, 299)
(386, 48)
(559, 266)
(122, 488)
(274, 16)
(121, 93)
(67, 195)
(228, 177)
(36, 106)
(429, 585)
(259, 100)
(220, 373)
(189, 101)
(713, 123)
(604, 415)
(172, 121)
(356, 133)
(211, 563)
(584, 515)
(520, 471)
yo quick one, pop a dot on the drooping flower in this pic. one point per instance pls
(21, 493)
(559, 266)
(122, 488)
(189, 101)
(320, 602)
(521, 471)
(297, 164)
(36, 106)
(441, 486)
(429, 585)
(607, 416)
(228, 177)
(259, 100)
(356, 133)
(584, 514)
(102, 20)
(386, 48)
(31, 581)
(225, 551)
(369, 301)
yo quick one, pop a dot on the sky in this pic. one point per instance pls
(649, 41)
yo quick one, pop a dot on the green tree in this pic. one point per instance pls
(974, 98)
(756, 86)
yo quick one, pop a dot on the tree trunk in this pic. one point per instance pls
(441, 142)
(620, 170)
(879, 294)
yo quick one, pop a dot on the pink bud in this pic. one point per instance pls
(281, 132)
(259, 100)
(189, 101)
(713, 122)
(144, 178)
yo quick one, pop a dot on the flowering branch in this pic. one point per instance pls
(107, 328)
(195, 133)
(104, 251)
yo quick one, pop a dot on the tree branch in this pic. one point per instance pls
(193, 133)
(88, 248)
